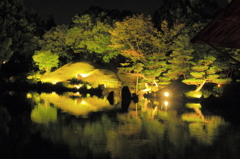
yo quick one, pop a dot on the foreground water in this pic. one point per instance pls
(70, 125)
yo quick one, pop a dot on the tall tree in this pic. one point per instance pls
(54, 40)
(137, 40)
(89, 36)
(18, 28)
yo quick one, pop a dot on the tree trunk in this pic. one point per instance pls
(200, 87)
(136, 90)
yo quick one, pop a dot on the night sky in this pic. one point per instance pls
(64, 10)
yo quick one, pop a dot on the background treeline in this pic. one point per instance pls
(155, 48)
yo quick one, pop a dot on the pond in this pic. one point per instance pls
(72, 125)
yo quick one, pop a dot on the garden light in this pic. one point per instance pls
(166, 94)
(166, 103)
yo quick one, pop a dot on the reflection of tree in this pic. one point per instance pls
(76, 106)
(197, 116)
(204, 130)
(114, 134)
(44, 114)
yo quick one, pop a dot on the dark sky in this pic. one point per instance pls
(64, 10)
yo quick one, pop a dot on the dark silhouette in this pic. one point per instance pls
(126, 98)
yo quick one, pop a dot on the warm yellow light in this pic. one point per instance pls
(219, 85)
(193, 94)
(166, 103)
(145, 90)
(54, 82)
(83, 102)
(78, 86)
(29, 95)
(166, 94)
(198, 96)
(83, 75)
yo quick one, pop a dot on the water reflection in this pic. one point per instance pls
(44, 113)
(203, 128)
(74, 104)
(93, 128)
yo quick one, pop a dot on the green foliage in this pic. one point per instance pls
(206, 93)
(135, 37)
(54, 41)
(217, 90)
(205, 70)
(138, 41)
(17, 30)
(191, 117)
(180, 58)
(44, 114)
(193, 94)
(45, 60)
(90, 34)
(33, 77)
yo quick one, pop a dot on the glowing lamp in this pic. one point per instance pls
(166, 103)
(54, 82)
(166, 94)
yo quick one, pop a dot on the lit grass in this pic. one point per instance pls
(89, 73)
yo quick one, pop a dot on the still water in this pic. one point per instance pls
(48, 125)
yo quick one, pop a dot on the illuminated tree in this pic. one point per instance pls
(54, 40)
(45, 60)
(204, 71)
(179, 59)
(140, 43)
(89, 36)
(133, 37)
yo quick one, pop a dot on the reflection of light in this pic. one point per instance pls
(166, 103)
(166, 94)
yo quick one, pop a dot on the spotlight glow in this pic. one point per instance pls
(166, 94)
